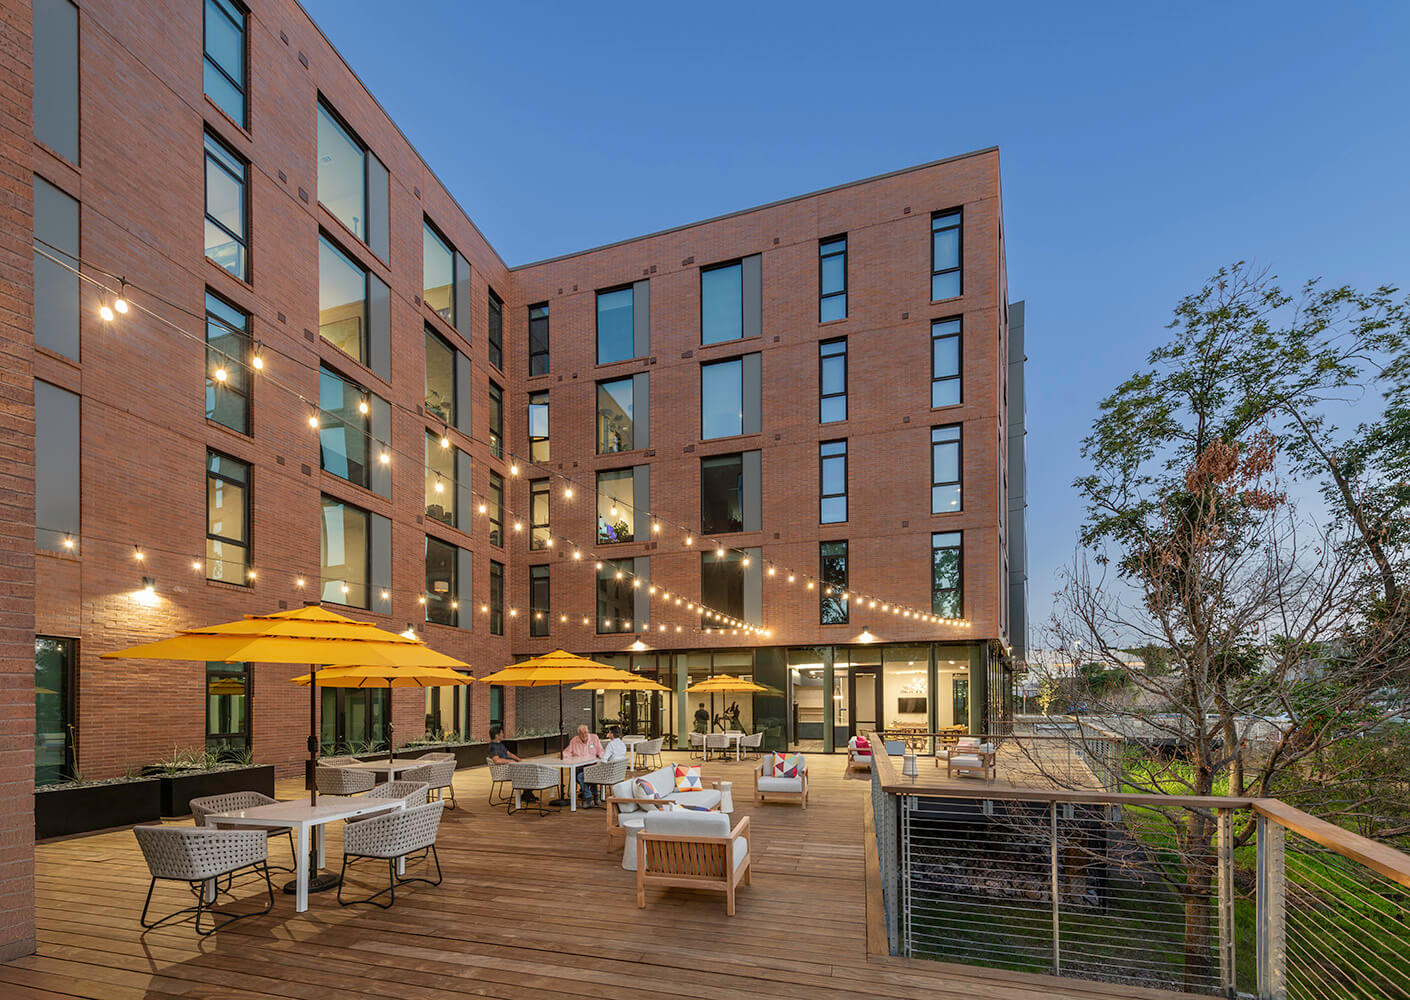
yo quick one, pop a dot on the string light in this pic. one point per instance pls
(299, 583)
(363, 406)
(137, 553)
(120, 303)
(250, 573)
(445, 441)
(386, 457)
(257, 361)
(196, 565)
(514, 468)
(567, 492)
(68, 541)
(313, 420)
(106, 311)
(220, 374)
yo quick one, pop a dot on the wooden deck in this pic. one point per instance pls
(531, 907)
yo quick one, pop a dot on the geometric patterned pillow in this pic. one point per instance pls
(646, 790)
(688, 778)
(785, 765)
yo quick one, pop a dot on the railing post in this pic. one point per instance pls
(1053, 851)
(1271, 912)
(1227, 969)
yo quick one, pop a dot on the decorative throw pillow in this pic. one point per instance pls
(646, 790)
(688, 778)
(785, 765)
(863, 744)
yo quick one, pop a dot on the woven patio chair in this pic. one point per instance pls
(200, 857)
(387, 838)
(202, 807)
(697, 745)
(343, 780)
(603, 774)
(533, 778)
(716, 743)
(439, 775)
(652, 749)
(499, 777)
(753, 744)
(337, 761)
(411, 793)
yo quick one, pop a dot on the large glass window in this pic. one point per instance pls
(538, 427)
(55, 709)
(496, 598)
(538, 339)
(722, 399)
(438, 273)
(56, 298)
(496, 415)
(495, 330)
(539, 610)
(616, 513)
(355, 719)
(947, 574)
(832, 279)
(56, 467)
(946, 469)
(614, 416)
(616, 330)
(945, 249)
(227, 707)
(342, 301)
(440, 378)
(538, 514)
(832, 460)
(832, 380)
(342, 173)
(343, 430)
(722, 494)
(442, 589)
(345, 554)
(945, 383)
(227, 519)
(832, 604)
(227, 360)
(224, 71)
(494, 506)
(722, 582)
(227, 211)
(722, 303)
(441, 492)
(55, 76)
(616, 600)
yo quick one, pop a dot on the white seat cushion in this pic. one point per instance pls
(966, 760)
(741, 849)
(708, 798)
(771, 784)
(688, 823)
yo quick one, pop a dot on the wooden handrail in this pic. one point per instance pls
(1393, 864)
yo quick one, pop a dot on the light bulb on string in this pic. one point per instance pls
(120, 303)
(257, 361)
(445, 441)
(612, 511)
(363, 406)
(313, 420)
(196, 565)
(514, 468)
(299, 583)
(68, 541)
(137, 553)
(385, 457)
(567, 492)
(439, 486)
(220, 374)
(106, 311)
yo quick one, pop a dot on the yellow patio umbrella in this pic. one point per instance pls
(386, 677)
(725, 684)
(636, 683)
(556, 669)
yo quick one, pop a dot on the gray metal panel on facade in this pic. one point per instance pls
(1018, 484)
(641, 597)
(751, 281)
(462, 296)
(753, 491)
(641, 317)
(56, 474)
(464, 497)
(379, 207)
(56, 76)
(381, 569)
(55, 286)
(641, 502)
(754, 587)
(465, 586)
(379, 424)
(464, 389)
(752, 389)
(641, 410)
(379, 327)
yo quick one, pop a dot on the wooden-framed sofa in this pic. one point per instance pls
(767, 785)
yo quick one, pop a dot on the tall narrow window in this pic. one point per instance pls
(440, 378)
(345, 444)
(945, 249)
(342, 301)
(225, 60)
(55, 66)
(538, 427)
(227, 358)
(227, 707)
(832, 458)
(616, 599)
(494, 506)
(495, 332)
(945, 383)
(616, 325)
(538, 339)
(346, 554)
(538, 514)
(722, 583)
(57, 467)
(947, 574)
(722, 303)
(56, 298)
(832, 380)
(539, 610)
(442, 589)
(832, 279)
(616, 513)
(946, 469)
(496, 598)
(227, 211)
(55, 709)
(441, 491)
(721, 494)
(614, 416)
(438, 273)
(832, 604)
(227, 519)
(496, 415)
(342, 173)
(730, 397)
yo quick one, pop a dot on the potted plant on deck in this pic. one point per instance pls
(195, 773)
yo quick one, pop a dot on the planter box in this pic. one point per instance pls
(179, 789)
(466, 754)
(84, 808)
(535, 746)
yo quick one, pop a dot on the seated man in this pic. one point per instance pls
(615, 749)
(501, 754)
(585, 744)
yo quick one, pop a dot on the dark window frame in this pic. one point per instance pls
(248, 489)
(496, 597)
(494, 329)
(244, 362)
(221, 742)
(823, 294)
(599, 387)
(720, 266)
(539, 616)
(494, 509)
(823, 395)
(368, 561)
(324, 415)
(495, 415)
(69, 706)
(944, 214)
(453, 320)
(450, 483)
(840, 606)
(539, 532)
(958, 442)
(958, 336)
(243, 239)
(710, 528)
(623, 594)
(630, 470)
(597, 322)
(452, 601)
(958, 590)
(367, 154)
(545, 352)
(206, 60)
(364, 334)
(431, 331)
(539, 397)
(716, 363)
(824, 496)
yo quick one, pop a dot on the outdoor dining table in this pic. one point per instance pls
(569, 765)
(735, 735)
(390, 768)
(304, 820)
(631, 742)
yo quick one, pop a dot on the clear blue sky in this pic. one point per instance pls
(1141, 148)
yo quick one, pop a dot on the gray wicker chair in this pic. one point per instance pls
(202, 808)
(343, 780)
(201, 856)
(438, 774)
(499, 777)
(411, 793)
(753, 744)
(337, 761)
(533, 778)
(716, 743)
(652, 749)
(437, 755)
(604, 774)
(697, 745)
(387, 838)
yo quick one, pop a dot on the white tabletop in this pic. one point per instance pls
(567, 763)
(633, 740)
(330, 809)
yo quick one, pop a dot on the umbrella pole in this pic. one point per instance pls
(317, 881)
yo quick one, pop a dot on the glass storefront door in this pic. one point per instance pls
(55, 709)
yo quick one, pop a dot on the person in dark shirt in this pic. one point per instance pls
(702, 719)
(501, 754)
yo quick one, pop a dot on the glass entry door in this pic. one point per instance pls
(54, 716)
(864, 692)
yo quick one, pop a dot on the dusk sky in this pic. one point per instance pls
(1141, 148)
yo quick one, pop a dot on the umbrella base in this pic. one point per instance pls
(560, 803)
(317, 882)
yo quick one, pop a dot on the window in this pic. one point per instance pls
(615, 426)
(947, 574)
(538, 339)
(496, 598)
(538, 427)
(442, 591)
(345, 444)
(227, 519)
(55, 269)
(538, 514)
(227, 354)
(729, 397)
(438, 273)
(616, 600)
(495, 508)
(352, 183)
(56, 76)
(496, 706)
(722, 303)
(441, 486)
(946, 470)
(55, 709)
(227, 707)
(345, 554)
(832, 279)
(616, 511)
(832, 605)
(495, 333)
(227, 213)
(355, 719)
(539, 610)
(342, 301)
(440, 378)
(832, 460)
(616, 325)
(832, 381)
(722, 582)
(56, 467)
(945, 384)
(496, 415)
(945, 245)
(225, 58)
(721, 494)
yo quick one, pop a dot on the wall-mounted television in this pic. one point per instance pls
(910, 706)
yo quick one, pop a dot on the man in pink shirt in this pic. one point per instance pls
(585, 744)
